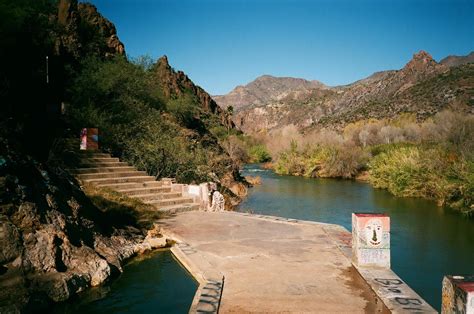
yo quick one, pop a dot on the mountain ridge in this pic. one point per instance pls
(264, 88)
(380, 95)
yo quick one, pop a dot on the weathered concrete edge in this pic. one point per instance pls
(200, 277)
(394, 292)
(286, 220)
(385, 283)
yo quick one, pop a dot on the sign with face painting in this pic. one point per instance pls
(373, 232)
(371, 240)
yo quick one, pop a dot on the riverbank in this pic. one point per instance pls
(405, 170)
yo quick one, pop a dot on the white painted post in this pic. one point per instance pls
(204, 195)
(458, 294)
(193, 191)
(371, 240)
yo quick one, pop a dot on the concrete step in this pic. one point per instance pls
(170, 201)
(157, 196)
(178, 208)
(93, 154)
(99, 159)
(131, 185)
(135, 179)
(96, 164)
(101, 170)
(104, 175)
(144, 191)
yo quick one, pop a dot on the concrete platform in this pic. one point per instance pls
(250, 263)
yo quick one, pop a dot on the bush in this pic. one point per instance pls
(259, 153)
(428, 172)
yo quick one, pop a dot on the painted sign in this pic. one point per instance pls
(83, 139)
(89, 139)
(371, 240)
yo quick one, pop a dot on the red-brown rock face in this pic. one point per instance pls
(89, 13)
(176, 83)
(71, 16)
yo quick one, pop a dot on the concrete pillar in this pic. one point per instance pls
(371, 240)
(458, 294)
(89, 139)
(204, 195)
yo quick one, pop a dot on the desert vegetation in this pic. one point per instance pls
(433, 159)
(165, 136)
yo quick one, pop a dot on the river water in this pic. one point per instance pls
(427, 241)
(153, 283)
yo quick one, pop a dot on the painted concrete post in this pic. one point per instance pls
(89, 139)
(458, 294)
(371, 240)
(204, 195)
(199, 193)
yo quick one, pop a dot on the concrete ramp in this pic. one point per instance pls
(249, 263)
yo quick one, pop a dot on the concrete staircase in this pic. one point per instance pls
(104, 171)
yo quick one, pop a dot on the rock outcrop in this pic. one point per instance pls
(104, 27)
(177, 83)
(85, 31)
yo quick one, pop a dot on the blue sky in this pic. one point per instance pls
(222, 44)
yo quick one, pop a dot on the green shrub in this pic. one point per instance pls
(322, 161)
(428, 172)
(259, 153)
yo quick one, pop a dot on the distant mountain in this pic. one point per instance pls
(423, 87)
(452, 61)
(267, 88)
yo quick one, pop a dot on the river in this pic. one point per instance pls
(152, 283)
(427, 241)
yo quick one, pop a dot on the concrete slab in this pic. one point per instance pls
(269, 264)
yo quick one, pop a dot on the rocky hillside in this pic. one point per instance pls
(266, 89)
(452, 61)
(177, 84)
(423, 87)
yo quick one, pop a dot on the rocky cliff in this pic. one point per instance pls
(85, 31)
(177, 84)
(423, 87)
